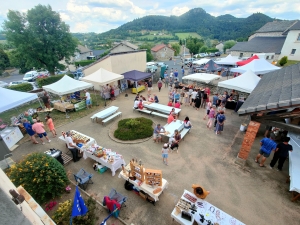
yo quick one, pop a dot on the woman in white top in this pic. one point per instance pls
(187, 123)
(136, 104)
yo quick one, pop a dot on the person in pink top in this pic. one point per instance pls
(171, 118)
(177, 105)
(211, 116)
(207, 91)
(51, 125)
(208, 106)
(38, 128)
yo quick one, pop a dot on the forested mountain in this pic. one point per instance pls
(225, 27)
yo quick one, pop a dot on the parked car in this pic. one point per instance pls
(43, 74)
(217, 53)
(78, 74)
(188, 60)
(151, 69)
(30, 76)
(212, 55)
(17, 82)
(3, 84)
(202, 55)
(59, 72)
(160, 64)
(150, 63)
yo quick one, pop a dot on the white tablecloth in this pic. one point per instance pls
(106, 112)
(294, 160)
(91, 141)
(161, 108)
(112, 166)
(177, 125)
(209, 211)
(147, 188)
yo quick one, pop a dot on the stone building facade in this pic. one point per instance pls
(162, 52)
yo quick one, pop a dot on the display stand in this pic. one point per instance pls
(153, 177)
(137, 170)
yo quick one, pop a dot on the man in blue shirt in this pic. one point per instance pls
(267, 146)
(156, 133)
(215, 99)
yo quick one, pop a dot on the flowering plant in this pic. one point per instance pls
(50, 205)
(68, 188)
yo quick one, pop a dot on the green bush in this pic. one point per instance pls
(50, 80)
(84, 62)
(132, 129)
(41, 175)
(21, 87)
(283, 60)
(63, 213)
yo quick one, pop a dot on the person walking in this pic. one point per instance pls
(193, 97)
(182, 71)
(88, 99)
(220, 122)
(211, 117)
(165, 151)
(149, 84)
(38, 128)
(208, 106)
(159, 84)
(267, 146)
(198, 100)
(205, 98)
(186, 99)
(50, 125)
(281, 153)
(29, 130)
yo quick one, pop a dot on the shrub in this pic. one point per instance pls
(41, 175)
(132, 129)
(21, 87)
(50, 80)
(63, 213)
(84, 62)
(283, 60)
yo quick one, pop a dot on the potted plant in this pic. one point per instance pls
(68, 189)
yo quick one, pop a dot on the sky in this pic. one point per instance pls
(102, 15)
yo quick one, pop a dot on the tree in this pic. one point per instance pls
(228, 45)
(203, 49)
(180, 42)
(283, 60)
(40, 37)
(4, 60)
(176, 47)
(148, 47)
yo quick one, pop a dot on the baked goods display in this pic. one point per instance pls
(79, 138)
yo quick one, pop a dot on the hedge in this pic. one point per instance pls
(84, 62)
(24, 87)
(50, 80)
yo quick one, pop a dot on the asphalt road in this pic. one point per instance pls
(12, 78)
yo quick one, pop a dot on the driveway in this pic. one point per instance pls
(251, 194)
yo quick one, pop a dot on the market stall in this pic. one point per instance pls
(101, 78)
(11, 136)
(137, 77)
(82, 141)
(63, 88)
(190, 209)
(228, 60)
(147, 181)
(201, 77)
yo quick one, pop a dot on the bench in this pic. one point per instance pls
(111, 117)
(160, 114)
(144, 111)
(184, 132)
(93, 117)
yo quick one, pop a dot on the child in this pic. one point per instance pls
(208, 106)
(165, 150)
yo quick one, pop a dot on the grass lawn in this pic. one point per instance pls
(291, 62)
(186, 35)
(59, 118)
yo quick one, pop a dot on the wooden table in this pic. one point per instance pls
(63, 106)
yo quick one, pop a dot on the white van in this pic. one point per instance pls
(30, 76)
(188, 60)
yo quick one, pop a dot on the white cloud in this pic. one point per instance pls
(177, 11)
(75, 7)
(65, 17)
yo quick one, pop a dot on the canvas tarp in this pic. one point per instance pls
(244, 62)
(228, 60)
(102, 77)
(211, 66)
(258, 66)
(201, 77)
(136, 75)
(201, 61)
(12, 99)
(245, 82)
(66, 85)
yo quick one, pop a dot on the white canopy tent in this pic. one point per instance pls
(12, 99)
(201, 61)
(228, 60)
(102, 77)
(245, 82)
(258, 66)
(66, 85)
(201, 77)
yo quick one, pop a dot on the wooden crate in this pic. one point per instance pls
(153, 177)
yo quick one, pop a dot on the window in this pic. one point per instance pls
(241, 55)
(298, 39)
(272, 57)
(267, 57)
(251, 55)
(293, 51)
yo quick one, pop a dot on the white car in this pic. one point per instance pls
(150, 63)
(17, 82)
(160, 64)
(30, 76)
(3, 84)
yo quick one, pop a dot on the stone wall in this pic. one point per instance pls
(163, 54)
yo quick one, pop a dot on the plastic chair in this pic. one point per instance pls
(117, 196)
(83, 178)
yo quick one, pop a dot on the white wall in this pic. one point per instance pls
(290, 43)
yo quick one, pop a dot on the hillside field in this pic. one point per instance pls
(186, 35)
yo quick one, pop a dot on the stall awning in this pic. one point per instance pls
(102, 77)
(66, 85)
(136, 75)
(228, 60)
(201, 77)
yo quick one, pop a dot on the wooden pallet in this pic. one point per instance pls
(66, 158)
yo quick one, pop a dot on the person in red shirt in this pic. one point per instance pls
(38, 128)
(177, 105)
(171, 118)
(170, 103)
(141, 106)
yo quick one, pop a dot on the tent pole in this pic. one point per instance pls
(104, 98)
(136, 87)
(97, 104)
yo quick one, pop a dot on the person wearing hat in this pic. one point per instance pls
(165, 151)
(199, 191)
(72, 146)
(38, 128)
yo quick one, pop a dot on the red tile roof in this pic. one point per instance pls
(159, 47)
